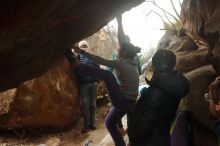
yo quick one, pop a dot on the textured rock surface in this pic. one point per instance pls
(34, 33)
(52, 100)
(189, 56)
(195, 102)
(48, 101)
(200, 19)
(104, 42)
(176, 43)
(190, 60)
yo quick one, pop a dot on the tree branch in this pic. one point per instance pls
(177, 20)
(177, 14)
(170, 22)
(180, 4)
(151, 11)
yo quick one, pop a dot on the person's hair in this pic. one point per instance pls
(129, 50)
(164, 60)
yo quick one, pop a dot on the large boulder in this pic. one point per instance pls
(202, 124)
(35, 33)
(200, 17)
(200, 20)
(176, 43)
(200, 79)
(189, 56)
(104, 43)
(190, 60)
(51, 101)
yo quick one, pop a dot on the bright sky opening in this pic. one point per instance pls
(143, 26)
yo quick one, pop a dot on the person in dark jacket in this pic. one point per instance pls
(88, 87)
(155, 110)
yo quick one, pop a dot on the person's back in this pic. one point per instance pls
(156, 108)
(169, 90)
(128, 78)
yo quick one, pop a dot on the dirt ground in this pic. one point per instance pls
(71, 137)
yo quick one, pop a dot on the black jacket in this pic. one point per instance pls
(155, 110)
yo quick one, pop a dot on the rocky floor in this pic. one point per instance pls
(72, 137)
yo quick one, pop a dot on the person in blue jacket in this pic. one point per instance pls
(88, 88)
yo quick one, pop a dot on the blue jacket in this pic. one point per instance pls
(83, 79)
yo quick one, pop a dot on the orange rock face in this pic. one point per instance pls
(48, 101)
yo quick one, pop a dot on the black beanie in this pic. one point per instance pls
(164, 60)
(130, 50)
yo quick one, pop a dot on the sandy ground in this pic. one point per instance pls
(72, 137)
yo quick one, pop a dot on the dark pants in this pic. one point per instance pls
(120, 107)
(88, 93)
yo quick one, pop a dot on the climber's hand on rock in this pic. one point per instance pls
(77, 49)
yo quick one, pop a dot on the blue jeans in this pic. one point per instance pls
(121, 105)
(88, 93)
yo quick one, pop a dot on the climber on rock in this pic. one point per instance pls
(122, 87)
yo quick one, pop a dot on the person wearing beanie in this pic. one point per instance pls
(150, 122)
(88, 88)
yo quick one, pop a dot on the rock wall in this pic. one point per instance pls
(200, 20)
(104, 42)
(52, 100)
(34, 34)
